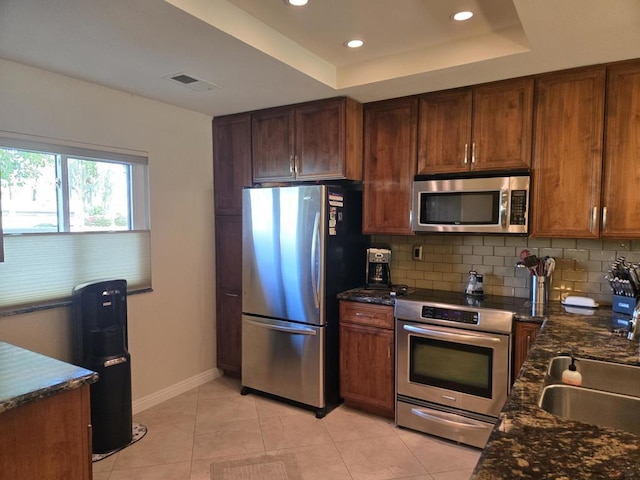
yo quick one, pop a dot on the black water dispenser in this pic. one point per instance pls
(100, 344)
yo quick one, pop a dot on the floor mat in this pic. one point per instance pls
(267, 467)
(138, 432)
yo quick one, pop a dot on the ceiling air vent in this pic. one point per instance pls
(191, 82)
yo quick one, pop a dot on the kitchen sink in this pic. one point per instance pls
(592, 406)
(598, 375)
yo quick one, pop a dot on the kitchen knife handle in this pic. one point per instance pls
(604, 218)
(466, 149)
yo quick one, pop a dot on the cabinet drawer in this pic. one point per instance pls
(380, 316)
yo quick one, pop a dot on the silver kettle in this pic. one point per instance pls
(475, 285)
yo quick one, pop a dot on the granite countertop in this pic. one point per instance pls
(529, 443)
(27, 376)
(368, 295)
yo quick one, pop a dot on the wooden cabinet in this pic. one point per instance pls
(229, 293)
(231, 161)
(484, 128)
(231, 171)
(620, 196)
(390, 149)
(314, 141)
(48, 438)
(567, 162)
(367, 369)
(524, 336)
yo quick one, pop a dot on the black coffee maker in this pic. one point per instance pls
(378, 273)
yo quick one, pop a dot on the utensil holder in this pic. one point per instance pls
(540, 286)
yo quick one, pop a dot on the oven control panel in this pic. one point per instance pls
(450, 315)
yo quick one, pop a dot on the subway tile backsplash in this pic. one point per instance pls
(446, 260)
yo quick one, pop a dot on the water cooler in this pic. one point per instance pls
(100, 344)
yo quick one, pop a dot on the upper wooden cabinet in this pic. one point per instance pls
(231, 161)
(314, 141)
(484, 128)
(567, 161)
(390, 148)
(620, 197)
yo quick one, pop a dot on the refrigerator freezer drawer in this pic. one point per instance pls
(284, 359)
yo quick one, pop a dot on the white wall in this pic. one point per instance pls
(172, 329)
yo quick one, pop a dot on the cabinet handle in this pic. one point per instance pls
(291, 163)
(473, 152)
(594, 217)
(466, 149)
(295, 164)
(388, 348)
(360, 314)
(604, 218)
(528, 342)
(231, 294)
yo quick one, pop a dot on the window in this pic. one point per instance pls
(69, 215)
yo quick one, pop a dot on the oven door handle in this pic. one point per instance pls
(437, 418)
(466, 337)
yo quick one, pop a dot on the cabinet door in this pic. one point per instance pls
(567, 163)
(319, 141)
(367, 368)
(502, 124)
(389, 165)
(621, 196)
(231, 161)
(524, 336)
(445, 132)
(272, 145)
(229, 293)
(229, 332)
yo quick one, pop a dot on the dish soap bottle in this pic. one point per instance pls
(571, 376)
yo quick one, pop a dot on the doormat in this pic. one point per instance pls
(267, 467)
(138, 431)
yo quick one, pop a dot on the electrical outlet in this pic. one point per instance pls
(417, 252)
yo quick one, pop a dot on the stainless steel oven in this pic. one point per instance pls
(452, 366)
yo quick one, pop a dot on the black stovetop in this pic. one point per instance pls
(497, 302)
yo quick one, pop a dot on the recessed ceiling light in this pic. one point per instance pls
(296, 3)
(355, 43)
(462, 16)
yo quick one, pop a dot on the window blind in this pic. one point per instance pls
(44, 268)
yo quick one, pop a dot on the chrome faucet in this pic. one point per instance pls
(634, 324)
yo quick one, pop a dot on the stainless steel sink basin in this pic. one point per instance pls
(606, 376)
(592, 406)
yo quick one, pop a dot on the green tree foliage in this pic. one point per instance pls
(18, 168)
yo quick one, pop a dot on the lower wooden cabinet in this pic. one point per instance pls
(367, 368)
(524, 335)
(48, 438)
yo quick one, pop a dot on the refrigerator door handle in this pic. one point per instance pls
(315, 274)
(280, 328)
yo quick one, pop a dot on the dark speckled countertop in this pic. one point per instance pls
(27, 376)
(530, 443)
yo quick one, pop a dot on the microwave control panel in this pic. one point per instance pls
(518, 207)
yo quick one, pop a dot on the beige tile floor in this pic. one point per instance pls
(214, 422)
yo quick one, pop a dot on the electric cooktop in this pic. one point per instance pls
(453, 299)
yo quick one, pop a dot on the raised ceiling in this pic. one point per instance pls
(262, 53)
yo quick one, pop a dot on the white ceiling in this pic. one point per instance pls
(263, 53)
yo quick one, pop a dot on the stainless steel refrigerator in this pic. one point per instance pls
(301, 245)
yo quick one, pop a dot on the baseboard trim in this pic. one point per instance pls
(174, 390)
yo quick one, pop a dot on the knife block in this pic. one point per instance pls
(622, 304)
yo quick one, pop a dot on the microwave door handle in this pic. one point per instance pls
(437, 418)
(503, 207)
(466, 337)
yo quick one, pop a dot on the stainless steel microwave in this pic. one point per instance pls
(472, 205)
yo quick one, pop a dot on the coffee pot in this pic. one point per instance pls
(378, 273)
(475, 285)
